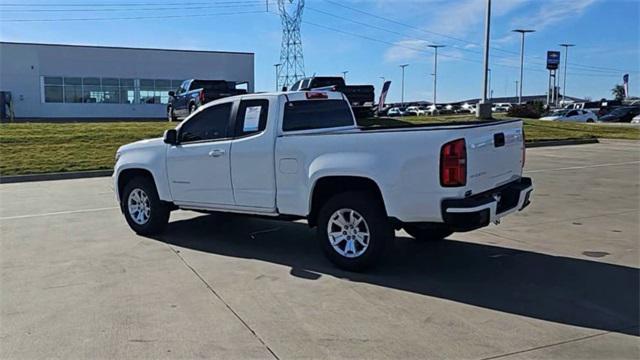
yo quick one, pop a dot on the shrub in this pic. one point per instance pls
(531, 111)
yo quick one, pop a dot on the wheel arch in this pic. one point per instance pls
(327, 186)
(127, 175)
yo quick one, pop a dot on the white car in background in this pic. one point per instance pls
(571, 115)
(416, 110)
(636, 119)
(501, 107)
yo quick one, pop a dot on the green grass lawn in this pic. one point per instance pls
(27, 148)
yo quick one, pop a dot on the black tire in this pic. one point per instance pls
(380, 231)
(158, 215)
(171, 116)
(590, 120)
(426, 233)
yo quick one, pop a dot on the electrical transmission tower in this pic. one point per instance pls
(291, 57)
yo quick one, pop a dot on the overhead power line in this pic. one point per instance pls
(261, 4)
(126, 4)
(136, 17)
(400, 23)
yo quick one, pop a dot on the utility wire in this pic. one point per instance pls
(452, 37)
(126, 4)
(261, 4)
(140, 9)
(135, 17)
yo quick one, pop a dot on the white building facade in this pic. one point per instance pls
(50, 81)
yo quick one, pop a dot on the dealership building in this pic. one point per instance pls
(53, 81)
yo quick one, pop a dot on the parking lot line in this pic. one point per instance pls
(56, 213)
(582, 167)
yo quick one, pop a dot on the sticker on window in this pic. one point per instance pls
(252, 118)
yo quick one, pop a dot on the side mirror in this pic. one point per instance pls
(284, 88)
(172, 93)
(170, 137)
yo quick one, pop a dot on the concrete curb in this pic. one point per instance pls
(54, 176)
(104, 173)
(543, 143)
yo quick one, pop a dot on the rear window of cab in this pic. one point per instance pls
(316, 114)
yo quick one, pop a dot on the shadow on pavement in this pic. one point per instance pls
(560, 289)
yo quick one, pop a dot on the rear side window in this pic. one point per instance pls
(316, 114)
(209, 124)
(252, 116)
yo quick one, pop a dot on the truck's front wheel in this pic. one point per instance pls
(353, 230)
(146, 214)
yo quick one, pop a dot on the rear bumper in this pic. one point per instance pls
(482, 209)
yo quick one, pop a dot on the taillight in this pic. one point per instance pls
(524, 148)
(202, 96)
(316, 95)
(453, 163)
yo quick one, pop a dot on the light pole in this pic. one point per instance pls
(490, 91)
(435, 71)
(523, 32)
(566, 59)
(402, 98)
(277, 66)
(483, 110)
(344, 75)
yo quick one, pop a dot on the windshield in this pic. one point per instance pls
(559, 113)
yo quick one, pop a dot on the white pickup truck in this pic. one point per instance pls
(296, 155)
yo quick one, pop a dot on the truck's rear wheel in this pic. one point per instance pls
(146, 214)
(192, 108)
(353, 230)
(426, 233)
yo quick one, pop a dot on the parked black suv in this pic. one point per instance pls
(360, 96)
(193, 93)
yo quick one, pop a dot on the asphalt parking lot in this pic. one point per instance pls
(558, 280)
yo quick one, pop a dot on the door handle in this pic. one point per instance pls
(216, 152)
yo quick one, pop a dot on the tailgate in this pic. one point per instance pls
(358, 93)
(494, 155)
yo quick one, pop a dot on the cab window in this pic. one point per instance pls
(252, 116)
(296, 85)
(316, 114)
(208, 124)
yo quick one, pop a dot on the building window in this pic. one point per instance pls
(72, 90)
(92, 90)
(107, 90)
(111, 90)
(127, 91)
(147, 91)
(53, 90)
(162, 91)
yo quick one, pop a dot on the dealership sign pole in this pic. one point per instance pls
(553, 60)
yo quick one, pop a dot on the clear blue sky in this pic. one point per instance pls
(606, 32)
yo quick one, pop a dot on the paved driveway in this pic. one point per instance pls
(558, 280)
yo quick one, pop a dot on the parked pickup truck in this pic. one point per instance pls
(194, 93)
(296, 155)
(360, 97)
